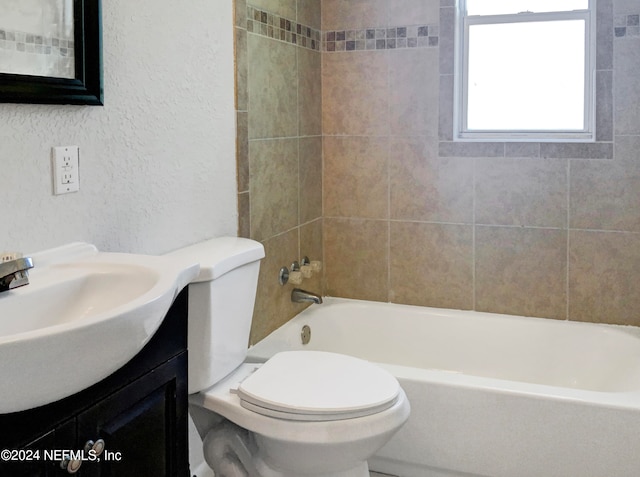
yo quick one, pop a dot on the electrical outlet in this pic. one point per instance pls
(65, 162)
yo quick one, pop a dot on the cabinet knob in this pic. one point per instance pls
(97, 447)
(71, 465)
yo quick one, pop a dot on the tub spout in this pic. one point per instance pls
(301, 296)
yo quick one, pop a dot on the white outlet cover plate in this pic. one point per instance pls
(66, 169)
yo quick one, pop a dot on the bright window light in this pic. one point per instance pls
(532, 81)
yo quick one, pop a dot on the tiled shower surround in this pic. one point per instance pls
(54, 56)
(412, 36)
(37, 44)
(279, 145)
(349, 161)
(274, 26)
(627, 25)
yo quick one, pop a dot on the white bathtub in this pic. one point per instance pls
(491, 395)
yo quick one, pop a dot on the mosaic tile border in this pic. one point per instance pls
(35, 44)
(413, 36)
(271, 25)
(626, 25)
(274, 26)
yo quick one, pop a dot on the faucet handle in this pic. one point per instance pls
(14, 273)
(295, 278)
(306, 270)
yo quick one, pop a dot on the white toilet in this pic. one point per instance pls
(300, 414)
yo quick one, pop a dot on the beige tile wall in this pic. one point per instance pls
(551, 235)
(341, 159)
(279, 154)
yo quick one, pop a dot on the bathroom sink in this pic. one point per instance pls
(84, 315)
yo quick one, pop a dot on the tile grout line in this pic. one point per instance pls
(567, 287)
(473, 240)
(299, 225)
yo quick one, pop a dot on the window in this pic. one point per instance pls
(525, 70)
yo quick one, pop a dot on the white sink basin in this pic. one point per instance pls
(83, 316)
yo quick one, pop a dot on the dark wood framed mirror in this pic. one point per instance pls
(61, 64)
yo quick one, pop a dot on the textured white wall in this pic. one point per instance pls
(157, 163)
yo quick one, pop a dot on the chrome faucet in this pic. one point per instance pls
(13, 274)
(301, 296)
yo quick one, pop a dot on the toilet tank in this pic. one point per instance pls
(221, 301)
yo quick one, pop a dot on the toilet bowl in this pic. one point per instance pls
(309, 413)
(301, 413)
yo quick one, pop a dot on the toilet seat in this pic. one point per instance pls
(222, 400)
(317, 386)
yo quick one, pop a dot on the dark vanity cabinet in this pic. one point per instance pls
(135, 419)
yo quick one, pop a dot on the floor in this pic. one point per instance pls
(377, 474)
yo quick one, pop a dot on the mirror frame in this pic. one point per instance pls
(86, 88)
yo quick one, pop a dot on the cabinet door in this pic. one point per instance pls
(144, 427)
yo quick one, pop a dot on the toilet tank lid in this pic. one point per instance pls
(219, 255)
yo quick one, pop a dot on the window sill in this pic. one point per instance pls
(556, 150)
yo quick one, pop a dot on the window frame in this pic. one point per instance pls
(463, 21)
